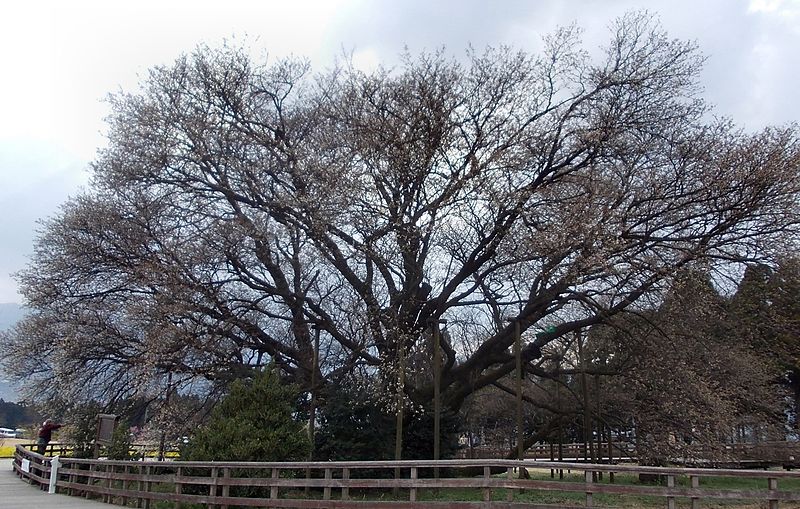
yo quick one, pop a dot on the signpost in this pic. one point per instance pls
(106, 423)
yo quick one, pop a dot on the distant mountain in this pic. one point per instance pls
(10, 314)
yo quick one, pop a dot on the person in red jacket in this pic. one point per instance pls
(46, 434)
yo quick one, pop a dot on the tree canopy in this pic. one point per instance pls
(240, 206)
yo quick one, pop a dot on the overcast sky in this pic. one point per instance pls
(61, 58)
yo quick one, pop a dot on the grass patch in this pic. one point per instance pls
(565, 498)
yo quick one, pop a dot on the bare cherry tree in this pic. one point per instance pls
(241, 209)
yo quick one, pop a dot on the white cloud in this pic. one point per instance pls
(786, 11)
(366, 60)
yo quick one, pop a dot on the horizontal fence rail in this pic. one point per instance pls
(483, 483)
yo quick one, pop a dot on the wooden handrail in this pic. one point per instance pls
(221, 483)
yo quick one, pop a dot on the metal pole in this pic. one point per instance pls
(162, 440)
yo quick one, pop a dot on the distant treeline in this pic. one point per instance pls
(14, 415)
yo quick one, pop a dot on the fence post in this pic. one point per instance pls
(487, 492)
(326, 491)
(139, 500)
(73, 479)
(273, 490)
(109, 476)
(54, 464)
(345, 488)
(226, 489)
(89, 481)
(695, 479)
(510, 493)
(412, 493)
(773, 486)
(178, 487)
(125, 485)
(147, 484)
(212, 488)
(670, 498)
(588, 477)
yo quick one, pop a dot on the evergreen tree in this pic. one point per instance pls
(785, 299)
(354, 426)
(254, 422)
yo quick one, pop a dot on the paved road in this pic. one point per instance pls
(17, 494)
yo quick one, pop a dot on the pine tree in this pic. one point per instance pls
(254, 422)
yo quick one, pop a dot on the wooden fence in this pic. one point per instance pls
(225, 485)
(569, 451)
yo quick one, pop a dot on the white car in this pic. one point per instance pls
(10, 433)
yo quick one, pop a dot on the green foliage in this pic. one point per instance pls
(254, 422)
(355, 427)
(120, 442)
(81, 429)
(418, 436)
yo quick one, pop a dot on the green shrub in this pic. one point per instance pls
(254, 422)
(355, 427)
(120, 448)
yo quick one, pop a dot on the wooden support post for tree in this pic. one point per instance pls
(599, 448)
(588, 448)
(398, 437)
(610, 437)
(518, 357)
(163, 438)
(437, 386)
(560, 422)
(312, 405)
